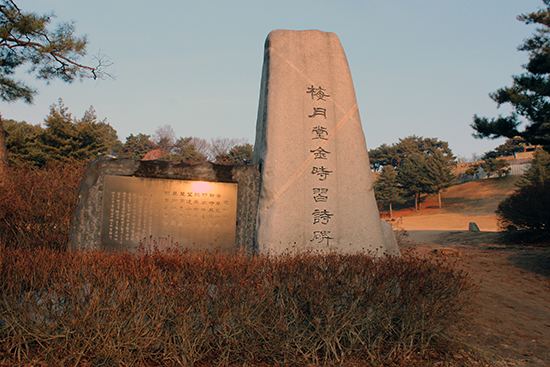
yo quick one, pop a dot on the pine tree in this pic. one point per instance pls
(186, 149)
(498, 166)
(508, 148)
(96, 138)
(238, 155)
(386, 188)
(412, 176)
(539, 170)
(21, 143)
(440, 175)
(136, 146)
(395, 154)
(26, 39)
(530, 92)
(66, 139)
(528, 208)
(60, 138)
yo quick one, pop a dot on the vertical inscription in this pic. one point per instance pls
(322, 167)
(193, 213)
(129, 214)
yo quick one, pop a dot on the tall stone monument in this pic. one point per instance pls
(316, 186)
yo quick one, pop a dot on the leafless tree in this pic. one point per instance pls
(165, 138)
(219, 146)
(201, 146)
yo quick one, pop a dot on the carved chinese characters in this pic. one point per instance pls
(316, 184)
(190, 212)
(322, 232)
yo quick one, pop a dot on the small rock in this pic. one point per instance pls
(473, 227)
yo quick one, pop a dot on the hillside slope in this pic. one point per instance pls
(474, 201)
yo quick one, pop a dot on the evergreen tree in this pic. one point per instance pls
(386, 188)
(508, 148)
(384, 155)
(96, 138)
(21, 143)
(395, 154)
(26, 39)
(186, 149)
(529, 94)
(65, 138)
(238, 155)
(498, 166)
(416, 152)
(440, 175)
(538, 172)
(60, 139)
(528, 208)
(136, 146)
(413, 178)
(472, 170)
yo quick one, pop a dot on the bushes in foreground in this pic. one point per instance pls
(37, 205)
(186, 308)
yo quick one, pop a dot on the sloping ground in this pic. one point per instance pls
(512, 323)
(511, 326)
(474, 201)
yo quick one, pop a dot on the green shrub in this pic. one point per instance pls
(528, 208)
(525, 215)
(189, 308)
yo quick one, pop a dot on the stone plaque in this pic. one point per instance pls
(193, 214)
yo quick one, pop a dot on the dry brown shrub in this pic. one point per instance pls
(401, 234)
(191, 308)
(37, 205)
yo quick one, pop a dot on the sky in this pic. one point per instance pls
(419, 67)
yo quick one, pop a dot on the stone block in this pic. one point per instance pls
(86, 229)
(316, 186)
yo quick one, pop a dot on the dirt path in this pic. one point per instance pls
(512, 326)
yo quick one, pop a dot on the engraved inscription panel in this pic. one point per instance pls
(195, 214)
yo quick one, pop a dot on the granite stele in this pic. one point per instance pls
(316, 186)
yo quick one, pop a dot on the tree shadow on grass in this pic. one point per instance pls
(460, 205)
(533, 260)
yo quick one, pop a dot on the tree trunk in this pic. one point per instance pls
(391, 213)
(439, 198)
(3, 155)
(415, 202)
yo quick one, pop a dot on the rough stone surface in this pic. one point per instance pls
(390, 240)
(86, 226)
(473, 227)
(316, 187)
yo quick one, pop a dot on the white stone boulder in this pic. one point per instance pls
(316, 187)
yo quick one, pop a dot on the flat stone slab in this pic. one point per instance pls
(124, 204)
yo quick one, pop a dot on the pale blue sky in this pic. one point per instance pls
(421, 67)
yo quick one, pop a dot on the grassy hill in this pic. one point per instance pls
(474, 201)
(480, 197)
